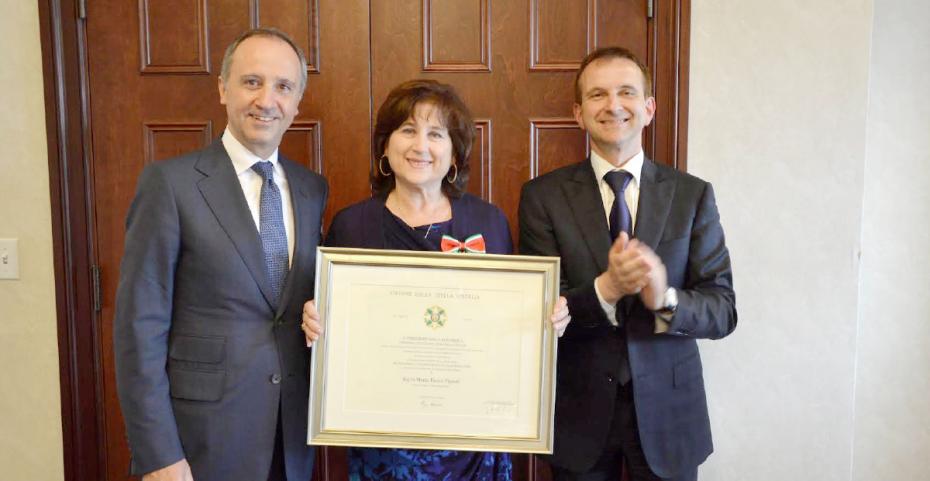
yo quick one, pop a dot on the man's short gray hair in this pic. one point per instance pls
(264, 32)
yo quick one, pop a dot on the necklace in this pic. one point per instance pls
(428, 228)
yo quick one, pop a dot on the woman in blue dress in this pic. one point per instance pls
(422, 141)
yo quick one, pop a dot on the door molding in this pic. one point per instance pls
(65, 74)
(62, 32)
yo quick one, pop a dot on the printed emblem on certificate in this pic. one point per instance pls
(434, 350)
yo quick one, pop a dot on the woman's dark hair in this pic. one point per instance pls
(453, 115)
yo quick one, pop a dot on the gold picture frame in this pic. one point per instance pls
(429, 350)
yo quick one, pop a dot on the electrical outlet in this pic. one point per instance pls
(9, 259)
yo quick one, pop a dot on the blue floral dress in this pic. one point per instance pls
(370, 464)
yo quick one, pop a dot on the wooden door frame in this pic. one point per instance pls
(68, 136)
(64, 64)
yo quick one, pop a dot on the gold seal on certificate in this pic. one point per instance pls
(434, 351)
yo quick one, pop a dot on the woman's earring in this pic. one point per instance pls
(456, 176)
(381, 168)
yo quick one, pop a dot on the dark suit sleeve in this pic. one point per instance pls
(324, 187)
(537, 238)
(142, 322)
(706, 302)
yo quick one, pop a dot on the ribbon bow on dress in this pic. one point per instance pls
(473, 244)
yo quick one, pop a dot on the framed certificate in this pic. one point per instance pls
(432, 350)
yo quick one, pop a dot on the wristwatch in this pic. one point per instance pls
(669, 305)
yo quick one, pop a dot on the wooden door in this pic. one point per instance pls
(152, 67)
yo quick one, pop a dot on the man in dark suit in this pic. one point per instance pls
(211, 364)
(646, 273)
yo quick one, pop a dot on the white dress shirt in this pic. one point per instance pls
(243, 159)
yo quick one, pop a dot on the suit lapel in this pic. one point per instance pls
(300, 202)
(584, 199)
(655, 202)
(223, 193)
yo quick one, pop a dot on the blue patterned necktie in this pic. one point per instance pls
(620, 219)
(271, 226)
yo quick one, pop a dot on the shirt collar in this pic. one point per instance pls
(242, 158)
(634, 166)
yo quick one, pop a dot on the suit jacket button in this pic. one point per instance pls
(610, 379)
(275, 379)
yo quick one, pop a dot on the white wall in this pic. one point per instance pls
(826, 377)
(892, 437)
(30, 405)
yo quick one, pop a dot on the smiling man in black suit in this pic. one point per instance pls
(646, 272)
